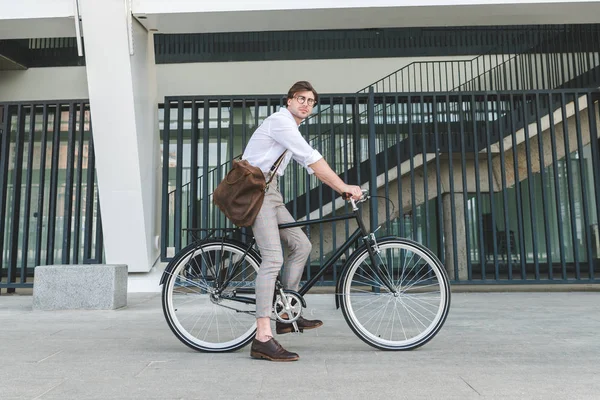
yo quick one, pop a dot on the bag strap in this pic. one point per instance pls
(275, 167)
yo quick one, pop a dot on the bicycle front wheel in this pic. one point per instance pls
(209, 298)
(411, 314)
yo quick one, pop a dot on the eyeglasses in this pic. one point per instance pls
(302, 100)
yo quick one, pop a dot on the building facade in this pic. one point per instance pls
(477, 121)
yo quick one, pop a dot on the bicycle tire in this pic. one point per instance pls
(372, 310)
(188, 299)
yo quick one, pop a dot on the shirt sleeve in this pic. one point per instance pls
(285, 132)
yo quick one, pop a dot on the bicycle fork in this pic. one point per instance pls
(373, 249)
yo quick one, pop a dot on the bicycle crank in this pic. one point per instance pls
(288, 307)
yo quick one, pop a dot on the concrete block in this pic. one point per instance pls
(88, 287)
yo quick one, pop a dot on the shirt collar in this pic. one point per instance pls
(287, 113)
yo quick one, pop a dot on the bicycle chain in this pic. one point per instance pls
(245, 312)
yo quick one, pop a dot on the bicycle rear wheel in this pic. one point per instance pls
(403, 320)
(202, 312)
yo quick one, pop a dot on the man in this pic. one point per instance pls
(278, 134)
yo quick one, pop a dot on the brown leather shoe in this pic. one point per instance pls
(281, 327)
(271, 350)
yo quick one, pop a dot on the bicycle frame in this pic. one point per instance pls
(360, 232)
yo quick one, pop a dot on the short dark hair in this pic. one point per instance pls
(302, 86)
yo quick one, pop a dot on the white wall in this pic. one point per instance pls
(275, 77)
(61, 83)
(267, 77)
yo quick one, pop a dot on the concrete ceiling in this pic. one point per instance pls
(323, 18)
(372, 17)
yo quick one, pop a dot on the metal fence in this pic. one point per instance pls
(536, 59)
(503, 187)
(48, 195)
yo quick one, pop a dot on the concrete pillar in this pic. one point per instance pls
(460, 239)
(123, 101)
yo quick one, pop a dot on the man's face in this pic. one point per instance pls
(301, 105)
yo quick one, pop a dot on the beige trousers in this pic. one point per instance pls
(268, 239)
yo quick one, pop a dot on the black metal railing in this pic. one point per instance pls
(539, 59)
(49, 199)
(480, 178)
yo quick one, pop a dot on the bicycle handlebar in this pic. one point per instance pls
(348, 197)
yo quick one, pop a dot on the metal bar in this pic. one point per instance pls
(90, 204)
(316, 221)
(98, 256)
(28, 184)
(531, 73)
(215, 179)
(555, 168)
(356, 139)
(570, 60)
(230, 145)
(462, 103)
(346, 159)
(77, 28)
(13, 235)
(372, 161)
(295, 187)
(531, 191)
(425, 175)
(583, 183)
(413, 203)
(307, 199)
(535, 61)
(193, 212)
(438, 173)
(491, 183)
(505, 205)
(540, 137)
(68, 206)
(399, 179)
(386, 168)
(332, 144)
(42, 186)
(338, 253)
(482, 255)
(574, 239)
(321, 149)
(5, 116)
(205, 166)
(78, 188)
(178, 177)
(556, 64)
(453, 240)
(53, 186)
(165, 181)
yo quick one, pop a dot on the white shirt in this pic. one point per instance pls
(278, 133)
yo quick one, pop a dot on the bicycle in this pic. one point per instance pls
(394, 292)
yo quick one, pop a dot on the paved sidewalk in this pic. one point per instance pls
(493, 346)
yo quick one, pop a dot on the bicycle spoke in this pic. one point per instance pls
(201, 316)
(403, 319)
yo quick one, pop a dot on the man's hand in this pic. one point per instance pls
(355, 191)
